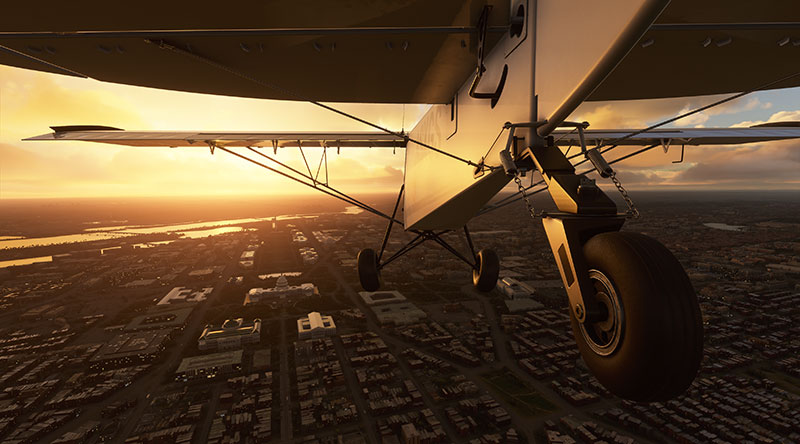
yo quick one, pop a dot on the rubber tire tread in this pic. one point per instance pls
(662, 342)
(368, 273)
(485, 277)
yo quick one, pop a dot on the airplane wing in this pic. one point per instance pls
(710, 47)
(399, 51)
(116, 136)
(682, 136)
(405, 51)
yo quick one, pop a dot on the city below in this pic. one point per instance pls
(250, 327)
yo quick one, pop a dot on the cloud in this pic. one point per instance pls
(698, 120)
(763, 165)
(32, 101)
(633, 114)
(780, 116)
(755, 165)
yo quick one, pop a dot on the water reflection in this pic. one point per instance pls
(26, 261)
(196, 234)
(144, 229)
(55, 240)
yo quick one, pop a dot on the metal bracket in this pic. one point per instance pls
(479, 169)
(683, 148)
(567, 234)
(483, 26)
(572, 193)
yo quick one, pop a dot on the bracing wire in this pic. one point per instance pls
(515, 197)
(164, 45)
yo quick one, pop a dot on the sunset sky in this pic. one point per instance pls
(30, 102)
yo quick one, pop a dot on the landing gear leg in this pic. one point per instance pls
(485, 264)
(634, 313)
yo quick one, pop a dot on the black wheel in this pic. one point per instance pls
(485, 277)
(650, 345)
(368, 272)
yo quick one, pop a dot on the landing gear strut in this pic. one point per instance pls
(634, 313)
(485, 264)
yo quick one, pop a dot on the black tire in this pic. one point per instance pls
(485, 277)
(368, 272)
(651, 348)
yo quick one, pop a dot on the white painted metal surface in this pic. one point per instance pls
(572, 37)
(228, 138)
(681, 136)
(567, 46)
(441, 192)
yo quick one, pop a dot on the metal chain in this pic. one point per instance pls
(525, 196)
(632, 210)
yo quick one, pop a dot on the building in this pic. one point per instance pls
(372, 298)
(128, 349)
(232, 334)
(299, 237)
(522, 304)
(204, 273)
(281, 291)
(209, 366)
(410, 434)
(514, 289)
(309, 255)
(398, 314)
(248, 257)
(183, 294)
(315, 326)
(159, 317)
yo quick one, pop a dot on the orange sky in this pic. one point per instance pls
(31, 101)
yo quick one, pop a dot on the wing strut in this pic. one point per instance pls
(612, 144)
(322, 187)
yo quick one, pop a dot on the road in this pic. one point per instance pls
(286, 395)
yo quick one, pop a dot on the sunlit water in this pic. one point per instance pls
(26, 261)
(55, 240)
(193, 230)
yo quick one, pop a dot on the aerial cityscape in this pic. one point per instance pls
(225, 327)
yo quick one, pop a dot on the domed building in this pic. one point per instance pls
(280, 293)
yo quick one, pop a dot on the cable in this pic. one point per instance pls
(334, 190)
(491, 147)
(345, 199)
(615, 143)
(701, 109)
(164, 45)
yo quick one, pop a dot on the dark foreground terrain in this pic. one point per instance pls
(95, 346)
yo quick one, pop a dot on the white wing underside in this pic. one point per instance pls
(204, 139)
(678, 136)
(671, 136)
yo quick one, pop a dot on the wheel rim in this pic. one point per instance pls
(604, 336)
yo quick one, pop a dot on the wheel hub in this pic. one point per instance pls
(604, 336)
